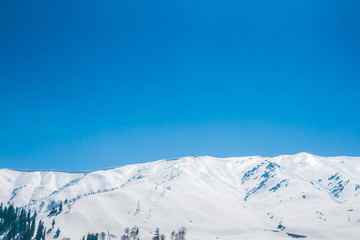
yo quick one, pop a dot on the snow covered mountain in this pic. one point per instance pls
(283, 197)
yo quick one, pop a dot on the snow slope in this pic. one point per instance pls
(214, 198)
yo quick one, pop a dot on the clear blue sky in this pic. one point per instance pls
(95, 84)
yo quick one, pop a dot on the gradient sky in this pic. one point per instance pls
(95, 84)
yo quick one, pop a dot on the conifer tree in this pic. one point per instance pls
(15, 223)
(44, 234)
(60, 207)
(92, 236)
(40, 231)
(57, 233)
(134, 235)
(157, 234)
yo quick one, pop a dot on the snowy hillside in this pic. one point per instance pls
(214, 198)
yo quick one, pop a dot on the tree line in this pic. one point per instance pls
(133, 234)
(20, 224)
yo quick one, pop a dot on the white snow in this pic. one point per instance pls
(214, 198)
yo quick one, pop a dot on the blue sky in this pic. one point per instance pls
(95, 84)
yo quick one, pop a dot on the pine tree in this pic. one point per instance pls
(40, 231)
(92, 236)
(57, 233)
(43, 234)
(52, 212)
(32, 226)
(102, 236)
(12, 232)
(173, 235)
(157, 234)
(181, 234)
(22, 221)
(53, 224)
(126, 235)
(1, 210)
(60, 207)
(134, 235)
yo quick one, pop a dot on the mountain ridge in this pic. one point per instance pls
(294, 191)
(164, 159)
